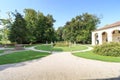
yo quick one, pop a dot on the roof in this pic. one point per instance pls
(116, 24)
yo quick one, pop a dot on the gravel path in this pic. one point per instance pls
(60, 66)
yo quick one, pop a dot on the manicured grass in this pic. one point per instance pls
(21, 56)
(44, 47)
(1, 51)
(24, 45)
(91, 55)
(72, 48)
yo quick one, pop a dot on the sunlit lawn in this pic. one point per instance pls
(1, 51)
(71, 48)
(91, 55)
(21, 56)
(44, 47)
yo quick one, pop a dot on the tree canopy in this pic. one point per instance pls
(18, 29)
(79, 28)
(35, 27)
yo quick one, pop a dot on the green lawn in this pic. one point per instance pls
(24, 45)
(21, 56)
(72, 48)
(1, 51)
(44, 47)
(91, 55)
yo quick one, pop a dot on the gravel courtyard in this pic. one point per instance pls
(60, 66)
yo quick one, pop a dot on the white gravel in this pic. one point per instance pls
(60, 66)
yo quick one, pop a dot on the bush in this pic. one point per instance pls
(108, 49)
(61, 44)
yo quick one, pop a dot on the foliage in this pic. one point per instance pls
(40, 27)
(33, 27)
(49, 30)
(108, 49)
(59, 34)
(4, 32)
(0, 36)
(31, 19)
(21, 56)
(18, 30)
(5, 21)
(79, 28)
(93, 56)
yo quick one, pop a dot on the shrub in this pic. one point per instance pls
(108, 49)
(62, 44)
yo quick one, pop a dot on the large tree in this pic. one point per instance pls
(31, 21)
(40, 27)
(18, 29)
(79, 28)
(49, 31)
(59, 34)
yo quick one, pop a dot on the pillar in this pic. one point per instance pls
(100, 37)
(93, 38)
(109, 36)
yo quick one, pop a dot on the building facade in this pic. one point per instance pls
(108, 33)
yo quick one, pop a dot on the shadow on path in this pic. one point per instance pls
(13, 65)
(115, 78)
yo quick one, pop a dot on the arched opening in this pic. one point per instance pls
(96, 38)
(104, 37)
(116, 36)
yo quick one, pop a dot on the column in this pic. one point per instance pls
(109, 36)
(100, 37)
(93, 38)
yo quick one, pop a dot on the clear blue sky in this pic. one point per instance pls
(64, 10)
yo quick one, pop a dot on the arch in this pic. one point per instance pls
(116, 35)
(104, 37)
(96, 38)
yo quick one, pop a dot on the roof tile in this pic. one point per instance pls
(109, 26)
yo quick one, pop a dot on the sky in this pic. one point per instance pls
(65, 10)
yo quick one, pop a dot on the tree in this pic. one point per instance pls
(31, 20)
(40, 27)
(18, 29)
(59, 33)
(31, 28)
(79, 28)
(49, 31)
(5, 31)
